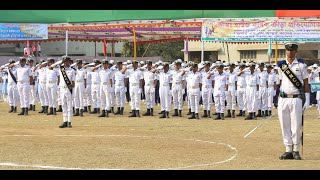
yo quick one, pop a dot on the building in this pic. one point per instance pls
(256, 52)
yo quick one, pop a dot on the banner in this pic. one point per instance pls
(257, 30)
(315, 86)
(23, 31)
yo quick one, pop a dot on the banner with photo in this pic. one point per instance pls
(23, 31)
(261, 30)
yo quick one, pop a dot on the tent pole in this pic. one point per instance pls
(134, 44)
(95, 49)
(228, 53)
(66, 42)
(202, 50)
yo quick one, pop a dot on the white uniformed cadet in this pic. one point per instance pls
(87, 92)
(105, 88)
(52, 86)
(272, 88)
(13, 95)
(112, 68)
(120, 89)
(232, 78)
(135, 83)
(252, 92)
(66, 91)
(32, 99)
(42, 80)
(150, 79)
(189, 65)
(165, 80)
(219, 91)
(263, 91)
(24, 79)
(57, 68)
(95, 89)
(207, 85)
(79, 89)
(195, 85)
(290, 109)
(177, 88)
(241, 91)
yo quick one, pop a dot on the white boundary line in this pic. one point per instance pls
(132, 136)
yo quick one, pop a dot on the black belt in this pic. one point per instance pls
(283, 95)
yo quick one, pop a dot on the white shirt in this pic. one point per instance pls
(42, 75)
(134, 75)
(119, 78)
(232, 77)
(176, 77)
(194, 79)
(300, 70)
(271, 79)
(52, 75)
(205, 81)
(71, 73)
(165, 79)
(14, 72)
(252, 79)
(80, 75)
(23, 73)
(105, 75)
(263, 77)
(95, 77)
(220, 81)
(149, 77)
(241, 80)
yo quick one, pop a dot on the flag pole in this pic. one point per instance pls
(202, 50)
(276, 52)
(134, 44)
(66, 42)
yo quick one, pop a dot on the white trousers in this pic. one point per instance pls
(32, 99)
(194, 100)
(59, 97)
(79, 95)
(231, 98)
(95, 95)
(111, 96)
(206, 98)
(219, 99)
(87, 96)
(271, 93)
(242, 99)
(188, 98)
(66, 99)
(105, 91)
(165, 98)
(13, 95)
(252, 98)
(263, 101)
(177, 96)
(52, 94)
(150, 96)
(290, 117)
(135, 97)
(24, 93)
(120, 92)
(43, 95)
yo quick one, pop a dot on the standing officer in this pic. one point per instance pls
(120, 89)
(42, 81)
(195, 84)
(231, 91)
(80, 86)
(293, 83)
(24, 79)
(219, 93)
(95, 88)
(33, 88)
(165, 80)
(272, 87)
(263, 91)
(67, 75)
(13, 95)
(111, 93)
(252, 92)
(87, 92)
(150, 80)
(177, 88)
(207, 85)
(52, 86)
(241, 91)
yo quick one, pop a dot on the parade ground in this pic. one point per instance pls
(35, 142)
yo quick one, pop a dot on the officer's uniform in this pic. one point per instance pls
(79, 90)
(135, 92)
(206, 92)
(177, 91)
(43, 95)
(23, 77)
(165, 79)
(252, 94)
(13, 95)
(95, 90)
(112, 89)
(32, 99)
(149, 88)
(120, 90)
(87, 101)
(105, 89)
(219, 93)
(271, 91)
(263, 93)
(241, 94)
(51, 87)
(231, 93)
(195, 81)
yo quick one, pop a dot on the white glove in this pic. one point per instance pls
(307, 103)
(140, 91)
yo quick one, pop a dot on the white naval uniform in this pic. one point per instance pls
(164, 90)
(149, 88)
(66, 96)
(87, 93)
(271, 91)
(42, 79)
(95, 88)
(317, 79)
(112, 89)
(120, 89)
(105, 88)
(219, 91)
(206, 90)
(79, 88)
(252, 81)
(195, 81)
(241, 92)
(263, 91)
(232, 78)
(52, 86)
(177, 90)
(134, 81)
(32, 99)
(23, 78)
(58, 89)
(290, 109)
(13, 95)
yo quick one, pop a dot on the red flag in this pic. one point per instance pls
(104, 48)
(28, 48)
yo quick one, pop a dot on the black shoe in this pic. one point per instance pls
(112, 110)
(42, 110)
(11, 109)
(121, 110)
(51, 111)
(263, 114)
(233, 115)
(26, 111)
(34, 108)
(167, 114)
(151, 112)
(15, 109)
(98, 110)
(286, 155)
(240, 113)
(209, 116)
(73, 110)
(229, 114)
(164, 114)
(296, 155)
(266, 113)
(189, 112)
(30, 107)
(118, 111)
(60, 108)
(244, 113)
(249, 116)
(180, 115)
(259, 114)
(175, 112)
(46, 110)
(22, 111)
(133, 114)
(89, 109)
(222, 116)
(270, 113)
(81, 112)
(107, 113)
(54, 111)
(69, 125)
(137, 113)
(254, 115)
(205, 114)
(197, 116)
(218, 117)
(85, 109)
(147, 113)
(95, 110)
(77, 113)
(193, 116)
(64, 125)
(103, 114)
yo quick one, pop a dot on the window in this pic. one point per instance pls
(281, 53)
(248, 55)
